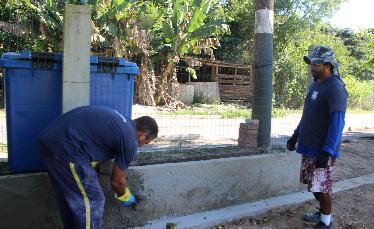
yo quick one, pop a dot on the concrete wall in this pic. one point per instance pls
(208, 90)
(186, 93)
(168, 190)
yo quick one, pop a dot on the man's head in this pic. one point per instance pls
(146, 130)
(322, 61)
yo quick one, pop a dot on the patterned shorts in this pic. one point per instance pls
(317, 179)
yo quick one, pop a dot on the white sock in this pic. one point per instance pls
(326, 219)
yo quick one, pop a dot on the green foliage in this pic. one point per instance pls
(290, 71)
(201, 99)
(198, 99)
(298, 25)
(360, 93)
(361, 47)
(16, 26)
(222, 110)
(187, 22)
(192, 72)
(295, 16)
(238, 46)
(228, 111)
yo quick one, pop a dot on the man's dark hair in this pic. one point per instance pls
(147, 125)
(331, 66)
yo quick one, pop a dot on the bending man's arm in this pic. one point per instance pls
(118, 180)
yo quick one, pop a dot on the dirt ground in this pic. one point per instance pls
(352, 209)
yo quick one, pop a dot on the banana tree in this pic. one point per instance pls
(46, 21)
(187, 25)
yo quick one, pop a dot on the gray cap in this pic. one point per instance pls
(320, 55)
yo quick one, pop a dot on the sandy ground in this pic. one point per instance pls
(352, 209)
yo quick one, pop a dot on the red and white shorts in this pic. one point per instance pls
(317, 179)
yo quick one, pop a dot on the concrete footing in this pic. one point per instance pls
(173, 189)
(214, 217)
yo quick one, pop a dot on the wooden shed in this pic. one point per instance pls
(235, 81)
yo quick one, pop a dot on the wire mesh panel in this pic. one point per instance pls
(189, 132)
(180, 133)
(202, 126)
(283, 127)
(3, 137)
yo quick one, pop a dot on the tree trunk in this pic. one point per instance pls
(164, 81)
(145, 83)
(162, 84)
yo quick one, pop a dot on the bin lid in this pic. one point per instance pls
(27, 59)
(113, 65)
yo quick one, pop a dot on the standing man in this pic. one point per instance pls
(77, 140)
(319, 132)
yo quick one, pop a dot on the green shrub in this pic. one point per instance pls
(360, 93)
(198, 99)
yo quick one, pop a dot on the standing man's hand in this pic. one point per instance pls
(322, 159)
(291, 143)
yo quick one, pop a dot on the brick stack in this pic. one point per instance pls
(248, 132)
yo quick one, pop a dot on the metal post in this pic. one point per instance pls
(310, 75)
(263, 69)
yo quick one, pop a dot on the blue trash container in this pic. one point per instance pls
(33, 92)
(112, 83)
(32, 101)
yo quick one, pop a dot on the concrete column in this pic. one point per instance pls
(263, 69)
(76, 60)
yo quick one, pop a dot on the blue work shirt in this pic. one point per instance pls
(334, 136)
(92, 134)
(322, 99)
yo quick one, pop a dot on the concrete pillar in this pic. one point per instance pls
(76, 60)
(263, 69)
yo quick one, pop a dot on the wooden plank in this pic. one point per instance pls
(227, 76)
(233, 81)
(234, 87)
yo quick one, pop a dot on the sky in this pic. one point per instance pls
(354, 14)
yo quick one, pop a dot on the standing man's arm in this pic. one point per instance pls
(296, 131)
(335, 132)
(291, 143)
(337, 104)
(334, 136)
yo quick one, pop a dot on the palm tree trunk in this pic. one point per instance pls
(165, 80)
(145, 83)
(162, 86)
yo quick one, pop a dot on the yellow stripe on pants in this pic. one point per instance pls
(84, 194)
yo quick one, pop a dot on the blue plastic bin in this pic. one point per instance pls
(33, 92)
(112, 83)
(32, 101)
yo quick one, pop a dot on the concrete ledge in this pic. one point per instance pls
(215, 217)
(27, 202)
(177, 189)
